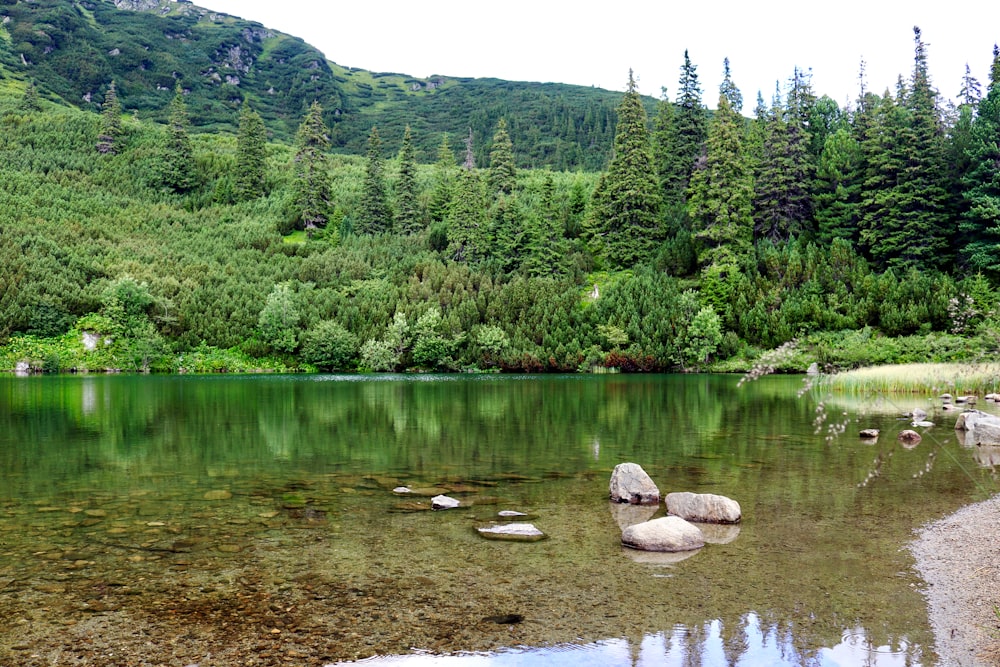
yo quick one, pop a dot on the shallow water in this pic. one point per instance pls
(202, 520)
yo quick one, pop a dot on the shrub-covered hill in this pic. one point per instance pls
(73, 49)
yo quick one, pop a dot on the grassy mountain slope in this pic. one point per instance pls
(74, 48)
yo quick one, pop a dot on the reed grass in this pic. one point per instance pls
(956, 379)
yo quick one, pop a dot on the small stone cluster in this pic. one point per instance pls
(679, 531)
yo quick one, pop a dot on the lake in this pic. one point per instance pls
(252, 520)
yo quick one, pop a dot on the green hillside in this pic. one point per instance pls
(75, 48)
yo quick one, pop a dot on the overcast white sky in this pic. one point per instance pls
(596, 43)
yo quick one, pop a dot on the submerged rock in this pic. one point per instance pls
(719, 533)
(510, 514)
(909, 438)
(669, 533)
(514, 532)
(631, 484)
(923, 424)
(629, 515)
(869, 433)
(704, 507)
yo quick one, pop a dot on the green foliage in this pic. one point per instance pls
(626, 210)
(279, 320)
(374, 215)
(178, 170)
(251, 154)
(502, 177)
(409, 219)
(111, 123)
(329, 346)
(312, 197)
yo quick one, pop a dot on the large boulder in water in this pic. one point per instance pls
(669, 533)
(631, 484)
(980, 428)
(704, 507)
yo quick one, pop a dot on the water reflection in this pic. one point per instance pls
(706, 646)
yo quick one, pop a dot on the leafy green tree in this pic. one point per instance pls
(329, 346)
(627, 217)
(278, 321)
(502, 176)
(386, 354)
(126, 307)
(702, 338)
(981, 223)
(111, 123)
(251, 154)
(374, 215)
(408, 218)
(431, 348)
(179, 172)
(312, 193)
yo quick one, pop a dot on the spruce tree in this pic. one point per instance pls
(178, 154)
(374, 215)
(29, 101)
(729, 90)
(312, 196)
(111, 123)
(469, 237)
(981, 223)
(251, 154)
(628, 216)
(689, 134)
(721, 192)
(407, 205)
(545, 243)
(664, 146)
(444, 180)
(502, 177)
(837, 188)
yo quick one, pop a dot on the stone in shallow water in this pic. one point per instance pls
(670, 533)
(631, 484)
(514, 532)
(704, 507)
(510, 514)
(444, 503)
(218, 494)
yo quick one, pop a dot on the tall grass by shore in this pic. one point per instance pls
(956, 379)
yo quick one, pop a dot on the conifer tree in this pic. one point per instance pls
(29, 101)
(689, 135)
(627, 217)
(251, 154)
(502, 176)
(721, 192)
(374, 215)
(444, 177)
(664, 146)
(312, 195)
(407, 205)
(469, 237)
(729, 90)
(981, 224)
(837, 192)
(545, 244)
(178, 154)
(111, 123)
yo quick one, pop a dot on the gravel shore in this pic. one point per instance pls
(959, 558)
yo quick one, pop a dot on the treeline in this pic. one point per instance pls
(708, 237)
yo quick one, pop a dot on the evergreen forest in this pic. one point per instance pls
(182, 191)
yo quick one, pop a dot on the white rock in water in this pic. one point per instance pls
(704, 507)
(923, 424)
(631, 484)
(402, 489)
(444, 503)
(517, 532)
(670, 533)
(507, 514)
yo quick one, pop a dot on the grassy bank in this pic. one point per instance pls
(927, 378)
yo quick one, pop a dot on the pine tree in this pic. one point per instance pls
(691, 130)
(904, 222)
(502, 177)
(444, 181)
(374, 216)
(469, 237)
(312, 196)
(721, 191)
(111, 123)
(981, 224)
(178, 154)
(664, 147)
(251, 154)
(546, 246)
(407, 205)
(628, 216)
(29, 101)
(729, 90)
(837, 189)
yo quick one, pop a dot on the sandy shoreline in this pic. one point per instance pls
(959, 558)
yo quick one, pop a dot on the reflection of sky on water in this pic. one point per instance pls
(763, 647)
